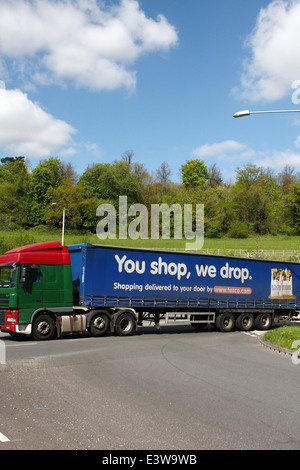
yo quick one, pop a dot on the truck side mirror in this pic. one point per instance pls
(25, 275)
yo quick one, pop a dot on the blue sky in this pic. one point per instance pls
(86, 81)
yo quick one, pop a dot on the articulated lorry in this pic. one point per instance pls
(47, 290)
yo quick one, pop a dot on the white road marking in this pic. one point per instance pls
(3, 438)
(254, 333)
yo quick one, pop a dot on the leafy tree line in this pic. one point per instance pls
(259, 201)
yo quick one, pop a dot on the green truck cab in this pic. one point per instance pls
(35, 286)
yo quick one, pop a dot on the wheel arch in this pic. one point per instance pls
(42, 311)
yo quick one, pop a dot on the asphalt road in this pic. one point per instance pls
(173, 389)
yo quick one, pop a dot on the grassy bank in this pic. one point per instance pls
(248, 244)
(284, 336)
(12, 239)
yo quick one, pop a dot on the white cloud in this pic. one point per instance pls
(219, 149)
(86, 42)
(273, 65)
(26, 129)
(277, 160)
(297, 142)
(237, 153)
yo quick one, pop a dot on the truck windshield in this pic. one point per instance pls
(7, 276)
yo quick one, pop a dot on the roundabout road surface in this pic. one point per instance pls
(172, 389)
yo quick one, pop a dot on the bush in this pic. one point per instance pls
(6, 223)
(213, 231)
(43, 229)
(238, 229)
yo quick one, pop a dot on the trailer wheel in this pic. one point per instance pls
(263, 321)
(225, 322)
(125, 324)
(244, 322)
(43, 327)
(99, 324)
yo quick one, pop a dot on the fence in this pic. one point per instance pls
(276, 255)
(286, 255)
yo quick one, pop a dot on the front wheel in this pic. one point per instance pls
(43, 327)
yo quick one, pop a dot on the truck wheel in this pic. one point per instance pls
(199, 326)
(244, 322)
(263, 321)
(99, 324)
(125, 324)
(225, 322)
(43, 327)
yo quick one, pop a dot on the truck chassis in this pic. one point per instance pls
(124, 322)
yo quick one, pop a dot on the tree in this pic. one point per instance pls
(77, 206)
(7, 160)
(163, 173)
(48, 174)
(9, 204)
(248, 174)
(293, 207)
(214, 178)
(14, 185)
(287, 178)
(194, 173)
(67, 172)
(127, 156)
(94, 180)
(253, 204)
(108, 182)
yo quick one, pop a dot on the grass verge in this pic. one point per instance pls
(10, 239)
(284, 337)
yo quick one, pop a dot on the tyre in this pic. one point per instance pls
(244, 322)
(125, 324)
(43, 327)
(99, 324)
(263, 321)
(199, 326)
(225, 322)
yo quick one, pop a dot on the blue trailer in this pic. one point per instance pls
(47, 289)
(130, 286)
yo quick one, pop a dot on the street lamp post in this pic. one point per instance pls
(246, 112)
(63, 224)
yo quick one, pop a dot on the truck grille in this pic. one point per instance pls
(4, 300)
(2, 317)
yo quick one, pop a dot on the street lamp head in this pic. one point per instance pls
(58, 205)
(246, 112)
(239, 114)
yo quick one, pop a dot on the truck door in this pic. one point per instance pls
(31, 287)
(30, 291)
